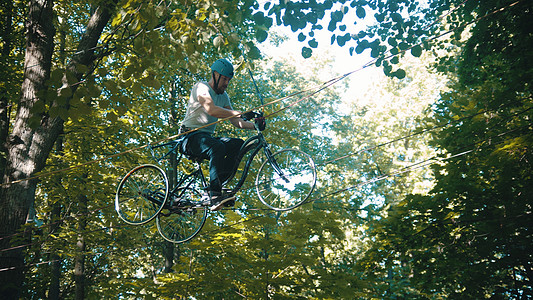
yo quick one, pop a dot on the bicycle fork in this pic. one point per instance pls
(274, 164)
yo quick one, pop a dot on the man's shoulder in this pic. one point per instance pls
(201, 88)
(201, 84)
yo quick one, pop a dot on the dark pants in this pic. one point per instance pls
(221, 152)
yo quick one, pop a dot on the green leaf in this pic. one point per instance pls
(34, 122)
(261, 35)
(56, 75)
(400, 74)
(254, 53)
(38, 107)
(341, 40)
(307, 52)
(259, 18)
(416, 51)
(396, 17)
(332, 25)
(374, 53)
(375, 50)
(82, 68)
(66, 92)
(337, 16)
(360, 12)
(112, 116)
(155, 83)
(136, 88)
(392, 41)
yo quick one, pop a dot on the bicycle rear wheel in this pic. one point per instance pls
(141, 194)
(181, 224)
(286, 179)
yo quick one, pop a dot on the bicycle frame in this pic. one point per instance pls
(253, 144)
(143, 194)
(248, 146)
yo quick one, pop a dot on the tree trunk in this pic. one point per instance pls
(28, 146)
(5, 107)
(53, 289)
(169, 249)
(23, 157)
(55, 226)
(79, 261)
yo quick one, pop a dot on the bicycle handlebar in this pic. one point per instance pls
(247, 116)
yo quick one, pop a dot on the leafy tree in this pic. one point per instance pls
(466, 238)
(98, 71)
(113, 49)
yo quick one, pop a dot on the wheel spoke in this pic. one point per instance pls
(141, 194)
(286, 180)
(182, 224)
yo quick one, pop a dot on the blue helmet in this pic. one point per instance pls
(223, 67)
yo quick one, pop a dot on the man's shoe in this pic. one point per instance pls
(230, 203)
(178, 203)
(218, 202)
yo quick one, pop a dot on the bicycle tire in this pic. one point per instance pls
(180, 225)
(141, 194)
(291, 188)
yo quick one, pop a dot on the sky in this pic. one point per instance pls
(343, 62)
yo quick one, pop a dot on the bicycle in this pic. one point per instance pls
(284, 181)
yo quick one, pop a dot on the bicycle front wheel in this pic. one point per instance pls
(141, 194)
(286, 179)
(180, 224)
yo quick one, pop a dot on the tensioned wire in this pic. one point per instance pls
(357, 152)
(348, 155)
(315, 89)
(373, 61)
(319, 164)
(339, 158)
(324, 86)
(430, 161)
(318, 89)
(409, 168)
(465, 150)
(366, 149)
(333, 160)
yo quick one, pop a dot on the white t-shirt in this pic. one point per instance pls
(196, 116)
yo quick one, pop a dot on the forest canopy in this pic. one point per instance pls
(422, 187)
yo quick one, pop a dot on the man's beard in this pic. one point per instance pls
(220, 90)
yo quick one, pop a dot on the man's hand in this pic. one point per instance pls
(249, 115)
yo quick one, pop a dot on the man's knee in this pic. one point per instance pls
(233, 144)
(217, 149)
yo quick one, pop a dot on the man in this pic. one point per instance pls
(209, 102)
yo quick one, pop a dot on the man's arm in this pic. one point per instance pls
(240, 123)
(224, 112)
